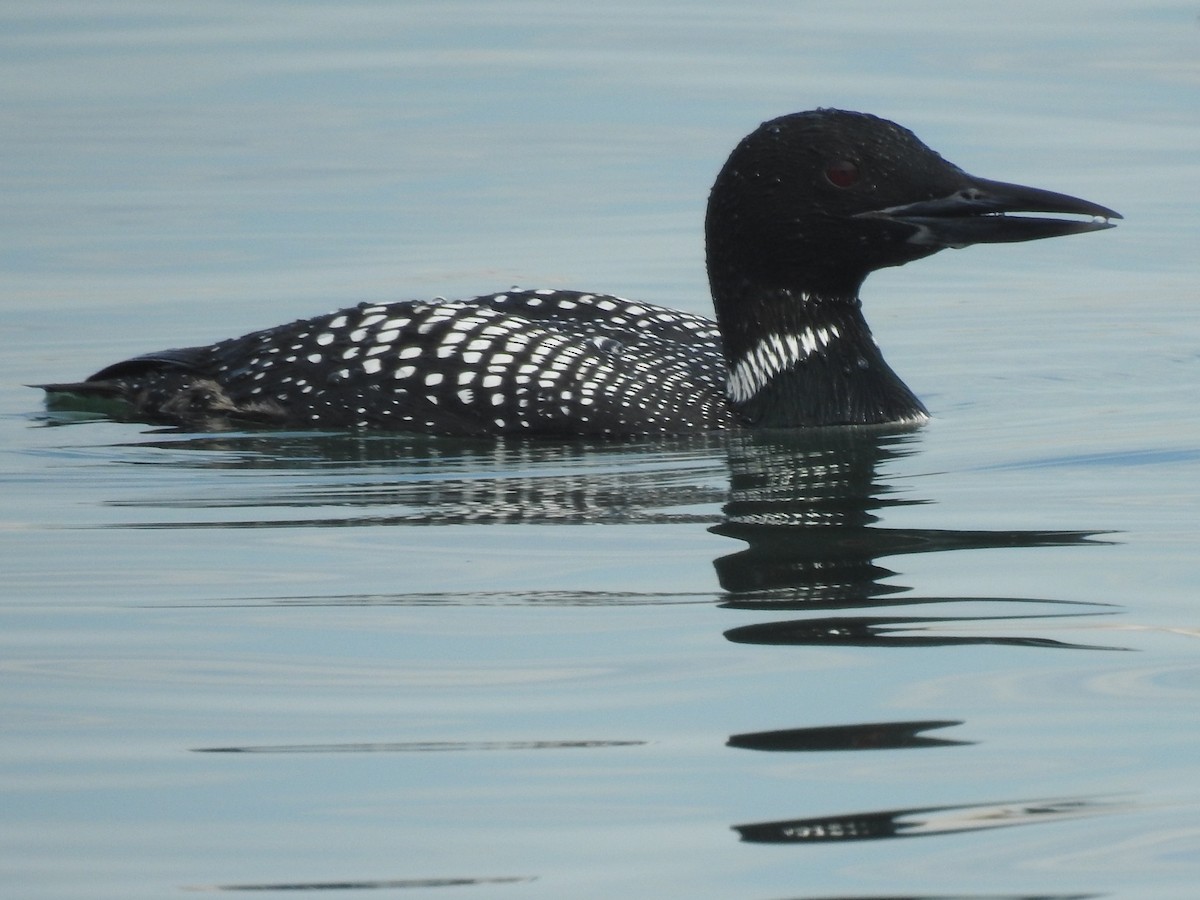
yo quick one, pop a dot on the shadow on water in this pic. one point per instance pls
(806, 506)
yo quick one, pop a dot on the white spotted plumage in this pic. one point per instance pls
(520, 362)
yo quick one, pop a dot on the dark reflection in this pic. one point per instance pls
(865, 736)
(807, 507)
(805, 504)
(893, 823)
(789, 563)
(778, 601)
(862, 631)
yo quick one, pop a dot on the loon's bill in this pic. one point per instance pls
(994, 212)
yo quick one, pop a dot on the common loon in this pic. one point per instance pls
(803, 210)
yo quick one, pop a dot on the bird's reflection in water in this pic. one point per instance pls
(808, 508)
(807, 503)
(916, 822)
(866, 736)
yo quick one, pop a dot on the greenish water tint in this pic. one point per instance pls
(722, 666)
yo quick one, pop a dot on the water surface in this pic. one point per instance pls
(959, 662)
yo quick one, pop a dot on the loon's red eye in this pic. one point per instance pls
(842, 173)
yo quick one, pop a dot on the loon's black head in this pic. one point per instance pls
(817, 200)
(804, 209)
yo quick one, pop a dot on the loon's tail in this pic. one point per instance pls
(169, 386)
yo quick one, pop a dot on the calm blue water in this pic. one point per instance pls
(961, 662)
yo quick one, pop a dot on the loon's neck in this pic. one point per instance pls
(798, 360)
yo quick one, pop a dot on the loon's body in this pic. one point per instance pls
(531, 362)
(804, 209)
